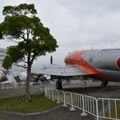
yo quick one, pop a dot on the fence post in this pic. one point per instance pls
(46, 91)
(64, 105)
(53, 97)
(58, 100)
(49, 93)
(83, 101)
(72, 107)
(97, 114)
(116, 113)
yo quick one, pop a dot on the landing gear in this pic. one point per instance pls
(104, 83)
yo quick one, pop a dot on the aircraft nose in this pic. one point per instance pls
(73, 57)
(66, 60)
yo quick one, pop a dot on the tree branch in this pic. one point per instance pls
(14, 41)
(23, 37)
(24, 61)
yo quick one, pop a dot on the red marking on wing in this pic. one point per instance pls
(77, 60)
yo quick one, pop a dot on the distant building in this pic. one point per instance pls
(2, 54)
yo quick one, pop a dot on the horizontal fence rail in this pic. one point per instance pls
(101, 108)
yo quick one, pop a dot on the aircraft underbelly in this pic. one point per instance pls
(114, 75)
(105, 63)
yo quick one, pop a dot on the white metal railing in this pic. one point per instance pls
(105, 108)
(90, 105)
(5, 86)
(77, 100)
(109, 108)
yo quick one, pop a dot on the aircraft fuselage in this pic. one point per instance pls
(103, 63)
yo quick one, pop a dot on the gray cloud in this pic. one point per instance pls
(78, 24)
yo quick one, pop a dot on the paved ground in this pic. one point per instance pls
(98, 92)
(58, 114)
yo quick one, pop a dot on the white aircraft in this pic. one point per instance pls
(103, 64)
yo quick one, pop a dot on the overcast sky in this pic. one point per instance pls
(76, 24)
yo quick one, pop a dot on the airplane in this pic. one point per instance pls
(103, 64)
(2, 76)
(2, 71)
(6, 76)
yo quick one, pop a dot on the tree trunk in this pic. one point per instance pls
(27, 87)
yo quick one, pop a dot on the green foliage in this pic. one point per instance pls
(18, 104)
(15, 26)
(7, 62)
(14, 53)
(22, 9)
(21, 23)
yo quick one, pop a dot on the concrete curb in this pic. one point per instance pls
(30, 114)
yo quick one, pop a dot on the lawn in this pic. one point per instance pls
(18, 104)
(113, 114)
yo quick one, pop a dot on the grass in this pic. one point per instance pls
(18, 104)
(2, 94)
(113, 114)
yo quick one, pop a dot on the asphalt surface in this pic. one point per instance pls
(58, 114)
(98, 92)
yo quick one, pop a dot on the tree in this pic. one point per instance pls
(33, 39)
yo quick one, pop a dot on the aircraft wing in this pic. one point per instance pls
(66, 70)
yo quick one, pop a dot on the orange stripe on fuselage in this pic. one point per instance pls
(77, 60)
